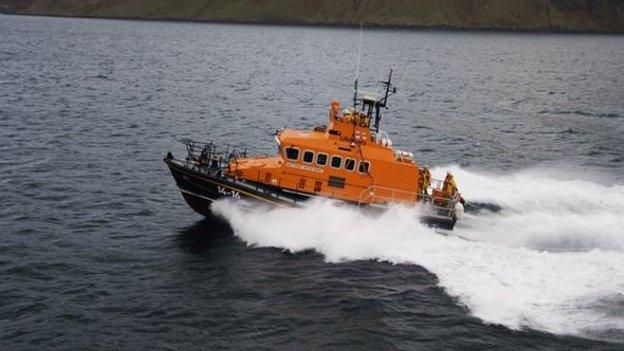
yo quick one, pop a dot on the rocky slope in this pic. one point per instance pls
(541, 15)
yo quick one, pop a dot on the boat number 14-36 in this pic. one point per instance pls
(226, 192)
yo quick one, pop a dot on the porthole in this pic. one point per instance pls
(336, 161)
(292, 153)
(364, 167)
(308, 156)
(349, 164)
(321, 159)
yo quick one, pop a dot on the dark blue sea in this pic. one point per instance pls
(98, 250)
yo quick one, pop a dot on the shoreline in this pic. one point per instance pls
(485, 29)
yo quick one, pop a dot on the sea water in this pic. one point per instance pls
(99, 250)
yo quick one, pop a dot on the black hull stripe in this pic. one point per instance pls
(230, 187)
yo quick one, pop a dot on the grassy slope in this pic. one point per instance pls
(573, 15)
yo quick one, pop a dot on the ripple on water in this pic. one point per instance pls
(99, 250)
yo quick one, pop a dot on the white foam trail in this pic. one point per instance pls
(505, 278)
(545, 212)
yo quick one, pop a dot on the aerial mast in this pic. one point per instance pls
(383, 102)
(357, 67)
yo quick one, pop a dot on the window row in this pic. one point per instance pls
(292, 153)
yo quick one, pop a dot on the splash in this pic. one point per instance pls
(552, 259)
(545, 210)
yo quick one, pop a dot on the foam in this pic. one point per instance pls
(551, 260)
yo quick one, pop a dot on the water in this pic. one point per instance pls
(98, 249)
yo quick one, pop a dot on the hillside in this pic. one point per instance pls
(540, 15)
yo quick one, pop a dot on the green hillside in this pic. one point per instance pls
(546, 15)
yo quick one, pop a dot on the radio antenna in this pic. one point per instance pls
(357, 66)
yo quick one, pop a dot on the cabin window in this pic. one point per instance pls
(336, 161)
(364, 166)
(349, 164)
(308, 156)
(292, 153)
(321, 159)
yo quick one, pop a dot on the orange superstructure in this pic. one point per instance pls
(350, 159)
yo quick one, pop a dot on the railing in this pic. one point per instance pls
(376, 194)
(209, 154)
(381, 138)
(381, 194)
(403, 156)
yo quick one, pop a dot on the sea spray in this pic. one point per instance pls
(503, 276)
(545, 213)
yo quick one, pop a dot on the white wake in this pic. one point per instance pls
(552, 259)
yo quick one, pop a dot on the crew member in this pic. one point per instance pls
(203, 157)
(449, 187)
(356, 117)
(346, 115)
(425, 180)
(334, 110)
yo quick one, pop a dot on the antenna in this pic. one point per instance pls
(388, 85)
(390, 90)
(357, 66)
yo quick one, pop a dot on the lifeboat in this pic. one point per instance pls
(349, 160)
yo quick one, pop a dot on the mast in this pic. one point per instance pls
(383, 102)
(387, 84)
(357, 65)
(371, 103)
(355, 94)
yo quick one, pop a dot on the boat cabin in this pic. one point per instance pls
(350, 159)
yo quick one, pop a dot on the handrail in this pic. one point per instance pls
(209, 154)
(379, 138)
(371, 193)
